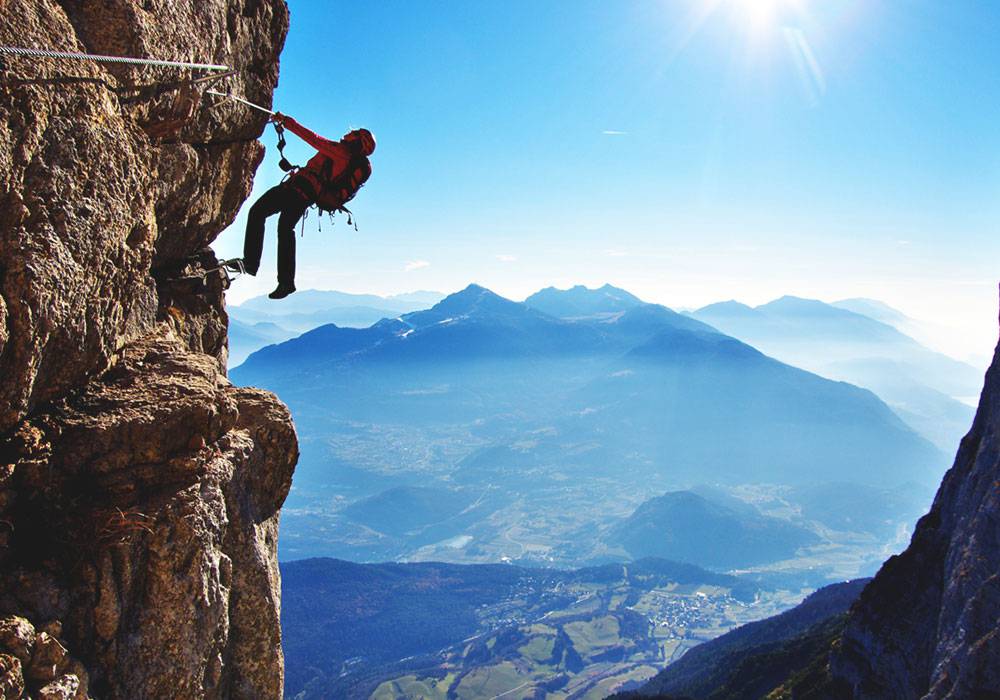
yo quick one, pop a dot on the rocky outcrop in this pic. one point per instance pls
(36, 662)
(146, 511)
(95, 195)
(139, 490)
(928, 626)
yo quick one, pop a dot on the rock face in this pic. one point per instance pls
(928, 626)
(139, 490)
(91, 202)
(36, 661)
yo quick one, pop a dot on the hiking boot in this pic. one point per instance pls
(282, 291)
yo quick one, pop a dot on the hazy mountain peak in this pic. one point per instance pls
(684, 526)
(421, 296)
(792, 304)
(580, 301)
(321, 306)
(618, 292)
(684, 500)
(725, 307)
(474, 298)
(475, 302)
(873, 308)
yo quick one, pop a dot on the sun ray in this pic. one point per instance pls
(692, 23)
(810, 74)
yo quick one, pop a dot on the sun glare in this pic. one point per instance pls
(758, 11)
(764, 15)
(762, 31)
(759, 21)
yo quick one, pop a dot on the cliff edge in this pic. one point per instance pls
(139, 490)
(928, 625)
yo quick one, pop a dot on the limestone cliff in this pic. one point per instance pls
(928, 626)
(139, 490)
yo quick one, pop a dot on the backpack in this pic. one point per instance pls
(335, 192)
(327, 192)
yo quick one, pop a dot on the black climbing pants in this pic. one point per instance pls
(291, 206)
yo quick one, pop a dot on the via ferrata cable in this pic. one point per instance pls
(248, 103)
(71, 55)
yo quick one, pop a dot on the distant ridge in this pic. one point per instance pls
(244, 338)
(472, 299)
(873, 308)
(312, 300)
(791, 314)
(580, 301)
(684, 526)
(921, 385)
(260, 321)
(731, 307)
(651, 386)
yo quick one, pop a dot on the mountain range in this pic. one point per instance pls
(533, 417)
(580, 302)
(259, 322)
(861, 341)
(857, 341)
(656, 391)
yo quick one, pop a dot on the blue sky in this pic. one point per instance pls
(688, 150)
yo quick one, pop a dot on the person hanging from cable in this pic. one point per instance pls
(329, 180)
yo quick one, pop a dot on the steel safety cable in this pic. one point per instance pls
(248, 103)
(46, 53)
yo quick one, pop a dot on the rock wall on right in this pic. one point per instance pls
(928, 625)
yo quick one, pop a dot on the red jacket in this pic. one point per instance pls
(334, 151)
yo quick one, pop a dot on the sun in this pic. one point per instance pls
(760, 35)
(759, 21)
(758, 31)
(761, 15)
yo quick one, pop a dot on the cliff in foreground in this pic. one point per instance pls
(139, 490)
(928, 626)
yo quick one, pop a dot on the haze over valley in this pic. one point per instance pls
(483, 430)
(579, 429)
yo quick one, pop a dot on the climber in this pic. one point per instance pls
(329, 180)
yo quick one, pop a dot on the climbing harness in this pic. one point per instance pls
(345, 185)
(284, 163)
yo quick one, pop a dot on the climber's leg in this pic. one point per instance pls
(268, 204)
(293, 208)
